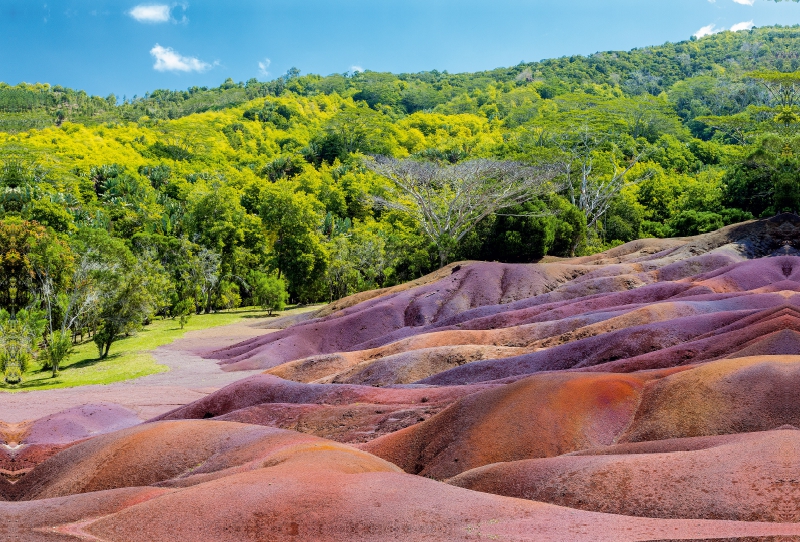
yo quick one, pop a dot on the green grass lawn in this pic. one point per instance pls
(129, 357)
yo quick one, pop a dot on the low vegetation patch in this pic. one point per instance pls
(131, 357)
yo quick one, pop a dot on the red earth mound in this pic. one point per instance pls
(239, 482)
(24, 445)
(310, 505)
(79, 423)
(721, 397)
(645, 305)
(284, 503)
(541, 416)
(748, 478)
(180, 454)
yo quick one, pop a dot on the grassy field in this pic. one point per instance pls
(129, 357)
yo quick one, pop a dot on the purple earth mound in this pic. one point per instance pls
(646, 393)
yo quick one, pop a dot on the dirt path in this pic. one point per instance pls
(190, 377)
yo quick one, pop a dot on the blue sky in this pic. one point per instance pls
(128, 48)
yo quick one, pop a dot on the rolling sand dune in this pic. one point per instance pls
(651, 392)
(746, 479)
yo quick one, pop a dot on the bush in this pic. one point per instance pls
(269, 292)
(688, 223)
(59, 347)
(655, 229)
(734, 216)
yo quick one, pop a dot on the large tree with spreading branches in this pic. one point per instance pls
(449, 200)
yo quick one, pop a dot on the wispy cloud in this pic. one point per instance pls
(712, 29)
(745, 25)
(706, 31)
(355, 69)
(168, 60)
(153, 13)
(745, 2)
(263, 65)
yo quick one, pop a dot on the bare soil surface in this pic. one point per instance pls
(646, 393)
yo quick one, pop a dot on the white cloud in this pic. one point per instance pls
(262, 67)
(706, 31)
(154, 13)
(167, 60)
(355, 69)
(745, 25)
(745, 2)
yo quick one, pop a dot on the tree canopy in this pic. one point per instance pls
(114, 211)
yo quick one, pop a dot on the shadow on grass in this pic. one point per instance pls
(90, 362)
(41, 378)
(250, 313)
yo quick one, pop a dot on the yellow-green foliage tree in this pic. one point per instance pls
(206, 186)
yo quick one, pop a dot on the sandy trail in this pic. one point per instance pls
(189, 378)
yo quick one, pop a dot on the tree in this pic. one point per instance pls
(128, 290)
(125, 304)
(527, 232)
(341, 275)
(692, 222)
(27, 250)
(58, 348)
(19, 335)
(448, 201)
(351, 130)
(358, 260)
(784, 89)
(593, 191)
(765, 181)
(293, 219)
(183, 310)
(64, 312)
(738, 127)
(217, 221)
(206, 274)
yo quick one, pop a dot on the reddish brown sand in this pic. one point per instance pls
(540, 416)
(310, 503)
(750, 478)
(647, 393)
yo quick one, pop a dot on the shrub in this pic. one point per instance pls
(269, 292)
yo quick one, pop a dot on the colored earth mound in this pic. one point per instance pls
(745, 478)
(651, 392)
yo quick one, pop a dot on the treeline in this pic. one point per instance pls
(263, 193)
(650, 70)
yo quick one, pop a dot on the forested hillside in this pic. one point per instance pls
(184, 201)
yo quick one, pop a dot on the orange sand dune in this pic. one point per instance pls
(541, 416)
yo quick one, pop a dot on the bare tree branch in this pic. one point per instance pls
(447, 201)
(591, 193)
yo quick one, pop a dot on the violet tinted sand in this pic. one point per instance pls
(647, 393)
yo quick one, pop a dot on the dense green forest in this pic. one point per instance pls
(118, 209)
